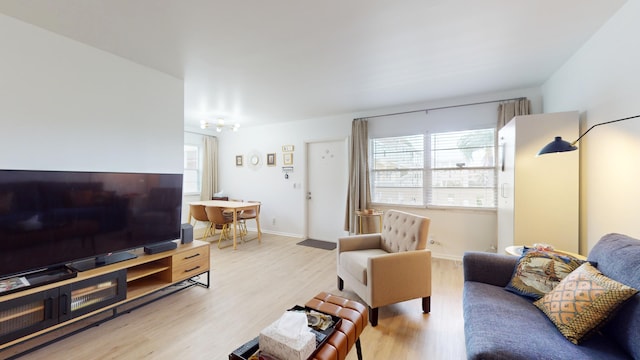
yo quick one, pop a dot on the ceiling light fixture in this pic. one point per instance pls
(559, 145)
(219, 125)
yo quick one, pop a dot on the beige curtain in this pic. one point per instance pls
(507, 110)
(359, 194)
(209, 167)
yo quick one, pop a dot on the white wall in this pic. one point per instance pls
(68, 106)
(601, 81)
(284, 199)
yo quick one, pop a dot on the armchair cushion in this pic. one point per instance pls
(355, 262)
(403, 232)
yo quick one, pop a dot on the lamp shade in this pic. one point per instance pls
(557, 145)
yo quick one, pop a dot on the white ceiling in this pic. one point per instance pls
(257, 62)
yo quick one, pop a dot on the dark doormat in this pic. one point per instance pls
(320, 244)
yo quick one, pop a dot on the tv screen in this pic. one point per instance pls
(49, 218)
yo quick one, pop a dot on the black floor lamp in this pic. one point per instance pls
(559, 145)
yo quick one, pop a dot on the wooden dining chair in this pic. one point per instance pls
(229, 213)
(198, 213)
(245, 215)
(216, 217)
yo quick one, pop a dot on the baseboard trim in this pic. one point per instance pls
(199, 232)
(446, 257)
(280, 233)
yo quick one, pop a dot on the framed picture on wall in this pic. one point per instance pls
(287, 158)
(238, 160)
(271, 159)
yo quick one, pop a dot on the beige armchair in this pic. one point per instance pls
(390, 267)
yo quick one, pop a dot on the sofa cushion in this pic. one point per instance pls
(355, 262)
(618, 257)
(538, 272)
(583, 301)
(502, 325)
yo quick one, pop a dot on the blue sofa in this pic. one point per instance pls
(499, 324)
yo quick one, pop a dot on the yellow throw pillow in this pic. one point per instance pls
(583, 301)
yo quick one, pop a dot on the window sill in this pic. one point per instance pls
(374, 204)
(463, 208)
(434, 207)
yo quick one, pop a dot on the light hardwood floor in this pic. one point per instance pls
(250, 288)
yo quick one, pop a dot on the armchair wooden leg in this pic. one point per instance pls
(426, 304)
(340, 284)
(373, 316)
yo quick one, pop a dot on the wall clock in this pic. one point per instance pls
(254, 160)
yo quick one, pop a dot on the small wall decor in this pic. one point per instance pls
(254, 160)
(287, 158)
(271, 159)
(238, 160)
(287, 170)
(287, 148)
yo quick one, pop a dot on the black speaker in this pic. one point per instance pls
(160, 247)
(186, 233)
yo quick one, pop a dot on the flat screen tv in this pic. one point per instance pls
(53, 218)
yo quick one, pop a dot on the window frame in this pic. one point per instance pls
(427, 171)
(198, 169)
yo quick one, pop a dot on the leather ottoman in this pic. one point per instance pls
(354, 320)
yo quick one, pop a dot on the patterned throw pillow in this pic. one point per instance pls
(538, 272)
(582, 302)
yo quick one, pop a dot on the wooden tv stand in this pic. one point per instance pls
(37, 316)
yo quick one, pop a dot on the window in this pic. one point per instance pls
(460, 171)
(397, 170)
(191, 177)
(463, 169)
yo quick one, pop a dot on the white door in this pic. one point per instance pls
(326, 189)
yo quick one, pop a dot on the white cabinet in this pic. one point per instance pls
(538, 196)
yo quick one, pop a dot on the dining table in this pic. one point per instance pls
(235, 207)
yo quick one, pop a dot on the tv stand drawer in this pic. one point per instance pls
(189, 263)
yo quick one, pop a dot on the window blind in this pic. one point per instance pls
(463, 170)
(397, 170)
(191, 177)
